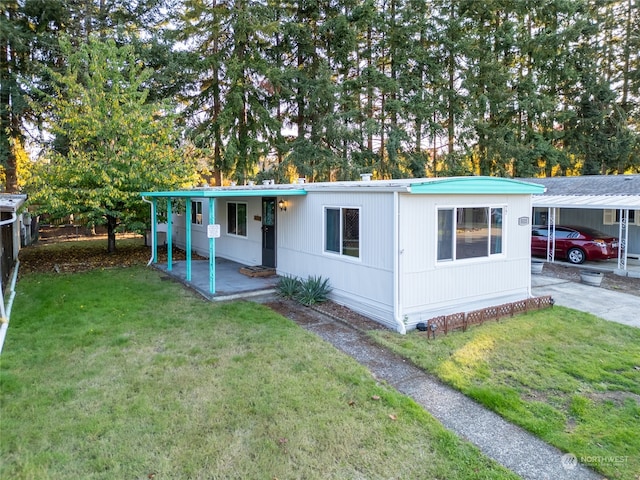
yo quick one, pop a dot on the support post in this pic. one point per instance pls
(212, 248)
(154, 230)
(623, 237)
(187, 221)
(551, 234)
(169, 236)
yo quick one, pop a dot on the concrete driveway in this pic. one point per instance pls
(608, 304)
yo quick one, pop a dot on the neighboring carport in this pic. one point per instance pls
(616, 198)
(210, 193)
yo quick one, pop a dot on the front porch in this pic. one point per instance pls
(230, 284)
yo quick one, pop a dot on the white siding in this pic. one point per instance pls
(365, 284)
(246, 250)
(429, 288)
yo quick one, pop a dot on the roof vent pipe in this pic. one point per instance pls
(365, 177)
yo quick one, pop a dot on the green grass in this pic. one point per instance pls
(115, 373)
(569, 377)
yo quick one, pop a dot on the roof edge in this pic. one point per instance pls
(476, 185)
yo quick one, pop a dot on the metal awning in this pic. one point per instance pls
(616, 202)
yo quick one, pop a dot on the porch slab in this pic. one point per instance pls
(230, 283)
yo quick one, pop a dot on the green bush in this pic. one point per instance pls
(288, 287)
(313, 290)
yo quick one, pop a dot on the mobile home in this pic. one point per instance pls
(397, 251)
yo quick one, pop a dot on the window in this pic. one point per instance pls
(541, 216)
(196, 213)
(237, 219)
(342, 231)
(469, 232)
(445, 234)
(611, 216)
(495, 227)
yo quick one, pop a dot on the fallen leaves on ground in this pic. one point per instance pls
(83, 256)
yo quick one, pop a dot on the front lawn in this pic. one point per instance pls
(116, 373)
(569, 377)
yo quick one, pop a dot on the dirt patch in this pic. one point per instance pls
(47, 257)
(353, 319)
(617, 398)
(305, 316)
(611, 281)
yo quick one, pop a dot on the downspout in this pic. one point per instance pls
(5, 314)
(397, 311)
(153, 225)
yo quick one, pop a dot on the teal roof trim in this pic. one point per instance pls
(476, 186)
(232, 192)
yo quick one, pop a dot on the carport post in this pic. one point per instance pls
(187, 222)
(623, 237)
(212, 247)
(551, 234)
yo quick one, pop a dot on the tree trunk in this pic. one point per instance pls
(112, 223)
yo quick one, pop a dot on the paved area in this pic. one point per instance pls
(229, 282)
(608, 304)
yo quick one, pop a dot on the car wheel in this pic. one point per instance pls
(575, 255)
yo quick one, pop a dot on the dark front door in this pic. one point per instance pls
(269, 232)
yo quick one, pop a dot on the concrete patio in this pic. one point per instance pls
(229, 282)
(633, 266)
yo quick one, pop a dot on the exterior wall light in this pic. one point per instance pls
(282, 205)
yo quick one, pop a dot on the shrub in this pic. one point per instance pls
(288, 287)
(313, 290)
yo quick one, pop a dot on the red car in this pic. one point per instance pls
(576, 244)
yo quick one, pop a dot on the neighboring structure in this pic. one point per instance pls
(397, 251)
(609, 203)
(11, 226)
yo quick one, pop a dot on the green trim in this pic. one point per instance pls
(476, 185)
(212, 248)
(239, 192)
(187, 223)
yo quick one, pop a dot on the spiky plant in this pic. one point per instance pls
(313, 290)
(288, 287)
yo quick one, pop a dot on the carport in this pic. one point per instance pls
(606, 202)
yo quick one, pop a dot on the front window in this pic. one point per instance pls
(469, 232)
(237, 219)
(342, 231)
(196, 213)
